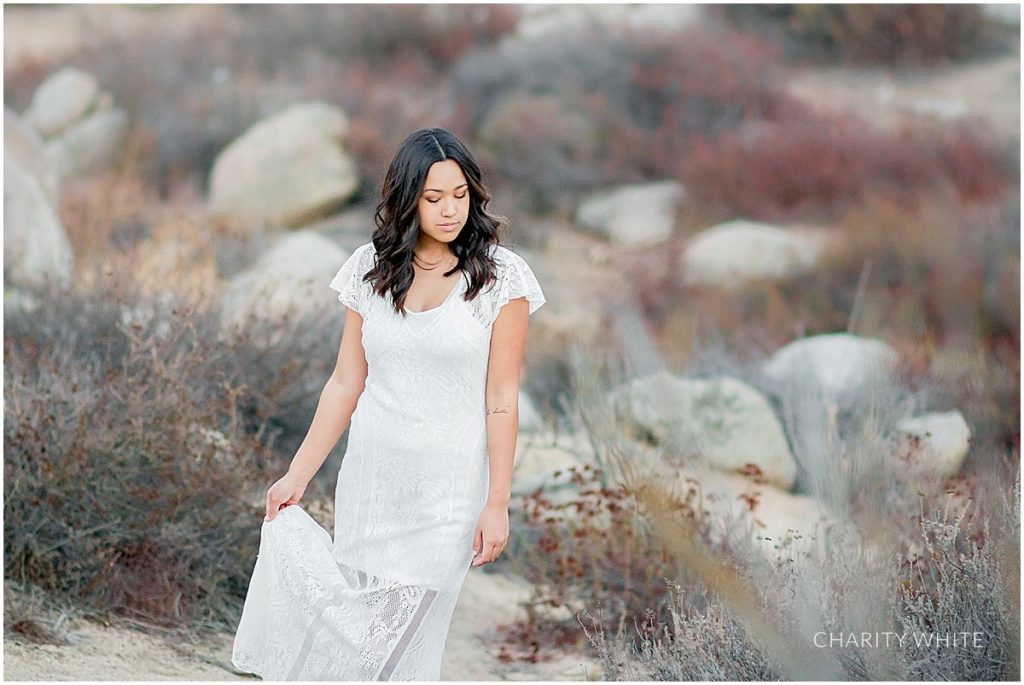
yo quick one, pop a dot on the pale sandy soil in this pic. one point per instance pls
(987, 89)
(50, 32)
(107, 653)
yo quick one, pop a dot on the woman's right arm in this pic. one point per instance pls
(334, 411)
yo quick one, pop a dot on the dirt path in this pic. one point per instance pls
(107, 653)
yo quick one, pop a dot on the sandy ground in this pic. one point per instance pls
(988, 89)
(108, 653)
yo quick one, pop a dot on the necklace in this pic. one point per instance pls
(433, 265)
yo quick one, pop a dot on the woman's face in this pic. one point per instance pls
(443, 205)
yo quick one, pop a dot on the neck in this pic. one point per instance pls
(432, 250)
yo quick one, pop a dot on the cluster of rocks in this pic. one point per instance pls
(71, 127)
(723, 437)
(645, 215)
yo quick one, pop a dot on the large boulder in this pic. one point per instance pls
(830, 388)
(721, 420)
(62, 99)
(839, 367)
(36, 248)
(779, 524)
(635, 215)
(737, 251)
(288, 280)
(286, 170)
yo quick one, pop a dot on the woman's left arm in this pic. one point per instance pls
(508, 340)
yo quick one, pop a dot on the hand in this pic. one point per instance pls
(287, 490)
(491, 535)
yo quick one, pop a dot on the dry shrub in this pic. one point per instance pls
(901, 34)
(818, 165)
(129, 475)
(931, 288)
(892, 34)
(642, 97)
(959, 584)
(31, 614)
(584, 542)
(697, 82)
(139, 446)
(965, 579)
(283, 34)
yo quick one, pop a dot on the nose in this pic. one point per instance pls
(449, 207)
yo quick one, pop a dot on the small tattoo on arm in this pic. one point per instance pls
(497, 411)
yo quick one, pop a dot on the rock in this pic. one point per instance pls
(633, 215)
(721, 420)
(934, 443)
(737, 251)
(547, 22)
(36, 248)
(781, 525)
(286, 170)
(63, 98)
(288, 280)
(24, 143)
(838, 365)
(540, 455)
(95, 141)
(657, 18)
(830, 388)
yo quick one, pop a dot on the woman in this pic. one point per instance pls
(428, 373)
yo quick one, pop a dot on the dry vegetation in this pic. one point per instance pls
(137, 447)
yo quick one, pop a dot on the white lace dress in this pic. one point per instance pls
(376, 602)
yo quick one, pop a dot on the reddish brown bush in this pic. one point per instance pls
(810, 164)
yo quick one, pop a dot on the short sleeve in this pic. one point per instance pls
(348, 282)
(515, 279)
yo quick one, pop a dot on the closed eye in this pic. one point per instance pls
(457, 197)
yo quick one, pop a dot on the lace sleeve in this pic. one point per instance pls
(349, 279)
(515, 279)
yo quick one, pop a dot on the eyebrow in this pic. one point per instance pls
(441, 191)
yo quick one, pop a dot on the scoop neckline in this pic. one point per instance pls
(447, 298)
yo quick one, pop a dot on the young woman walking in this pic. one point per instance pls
(427, 381)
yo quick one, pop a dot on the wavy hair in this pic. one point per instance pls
(397, 220)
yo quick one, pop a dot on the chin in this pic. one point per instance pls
(444, 235)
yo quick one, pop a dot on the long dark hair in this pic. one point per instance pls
(398, 223)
